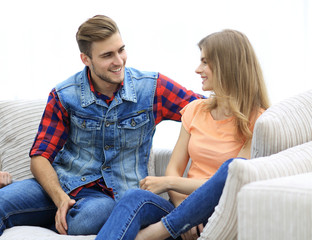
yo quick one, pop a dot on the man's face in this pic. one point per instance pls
(108, 61)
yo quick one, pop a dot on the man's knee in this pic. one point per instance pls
(88, 216)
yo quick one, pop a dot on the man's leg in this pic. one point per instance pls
(137, 209)
(25, 203)
(90, 212)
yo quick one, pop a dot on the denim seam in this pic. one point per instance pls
(169, 229)
(136, 211)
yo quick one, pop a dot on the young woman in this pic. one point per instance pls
(213, 132)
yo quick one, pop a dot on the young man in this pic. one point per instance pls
(94, 138)
(5, 179)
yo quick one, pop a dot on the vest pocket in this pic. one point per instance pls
(83, 130)
(132, 129)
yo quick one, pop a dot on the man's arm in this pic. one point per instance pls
(170, 97)
(43, 152)
(45, 174)
(5, 179)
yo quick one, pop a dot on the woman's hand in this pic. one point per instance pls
(5, 179)
(156, 185)
(193, 233)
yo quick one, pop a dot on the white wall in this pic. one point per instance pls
(38, 48)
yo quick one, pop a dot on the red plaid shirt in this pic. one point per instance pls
(54, 127)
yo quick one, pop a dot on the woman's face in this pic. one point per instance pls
(205, 73)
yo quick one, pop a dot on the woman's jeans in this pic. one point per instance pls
(139, 208)
(26, 203)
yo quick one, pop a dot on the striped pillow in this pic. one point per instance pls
(19, 121)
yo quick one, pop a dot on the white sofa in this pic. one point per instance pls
(281, 147)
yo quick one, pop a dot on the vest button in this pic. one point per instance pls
(107, 147)
(107, 124)
(83, 179)
(105, 167)
(133, 123)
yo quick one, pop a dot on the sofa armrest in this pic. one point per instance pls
(279, 208)
(293, 161)
(161, 160)
(158, 163)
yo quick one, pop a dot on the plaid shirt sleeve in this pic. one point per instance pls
(170, 97)
(53, 129)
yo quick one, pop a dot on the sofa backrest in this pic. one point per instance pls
(19, 121)
(284, 125)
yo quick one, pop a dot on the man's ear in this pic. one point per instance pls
(85, 59)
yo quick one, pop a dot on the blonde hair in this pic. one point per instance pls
(97, 28)
(237, 77)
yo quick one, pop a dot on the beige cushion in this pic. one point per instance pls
(19, 121)
(223, 222)
(278, 209)
(284, 125)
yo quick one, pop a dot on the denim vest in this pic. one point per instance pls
(112, 141)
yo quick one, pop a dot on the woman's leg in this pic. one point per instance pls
(194, 210)
(199, 206)
(137, 209)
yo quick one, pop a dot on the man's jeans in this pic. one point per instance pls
(26, 203)
(140, 208)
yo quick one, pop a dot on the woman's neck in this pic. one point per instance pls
(221, 112)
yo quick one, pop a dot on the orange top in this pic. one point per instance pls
(212, 142)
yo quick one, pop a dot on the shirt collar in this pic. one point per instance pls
(107, 99)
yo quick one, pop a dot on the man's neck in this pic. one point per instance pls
(106, 89)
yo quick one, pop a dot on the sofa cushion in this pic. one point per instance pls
(284, 125)
(278, 209)
(223, 222)
(31, 233)
(19, 121)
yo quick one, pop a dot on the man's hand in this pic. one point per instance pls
(60, 217)
(193, 233)
(156, 185)
(5, 179)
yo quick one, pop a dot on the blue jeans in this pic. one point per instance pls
(26, 203)
(139, 208)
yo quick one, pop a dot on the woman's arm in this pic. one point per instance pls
(173, 182)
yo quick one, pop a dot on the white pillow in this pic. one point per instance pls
(19, 121)
(284, 125)
(223, 222)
